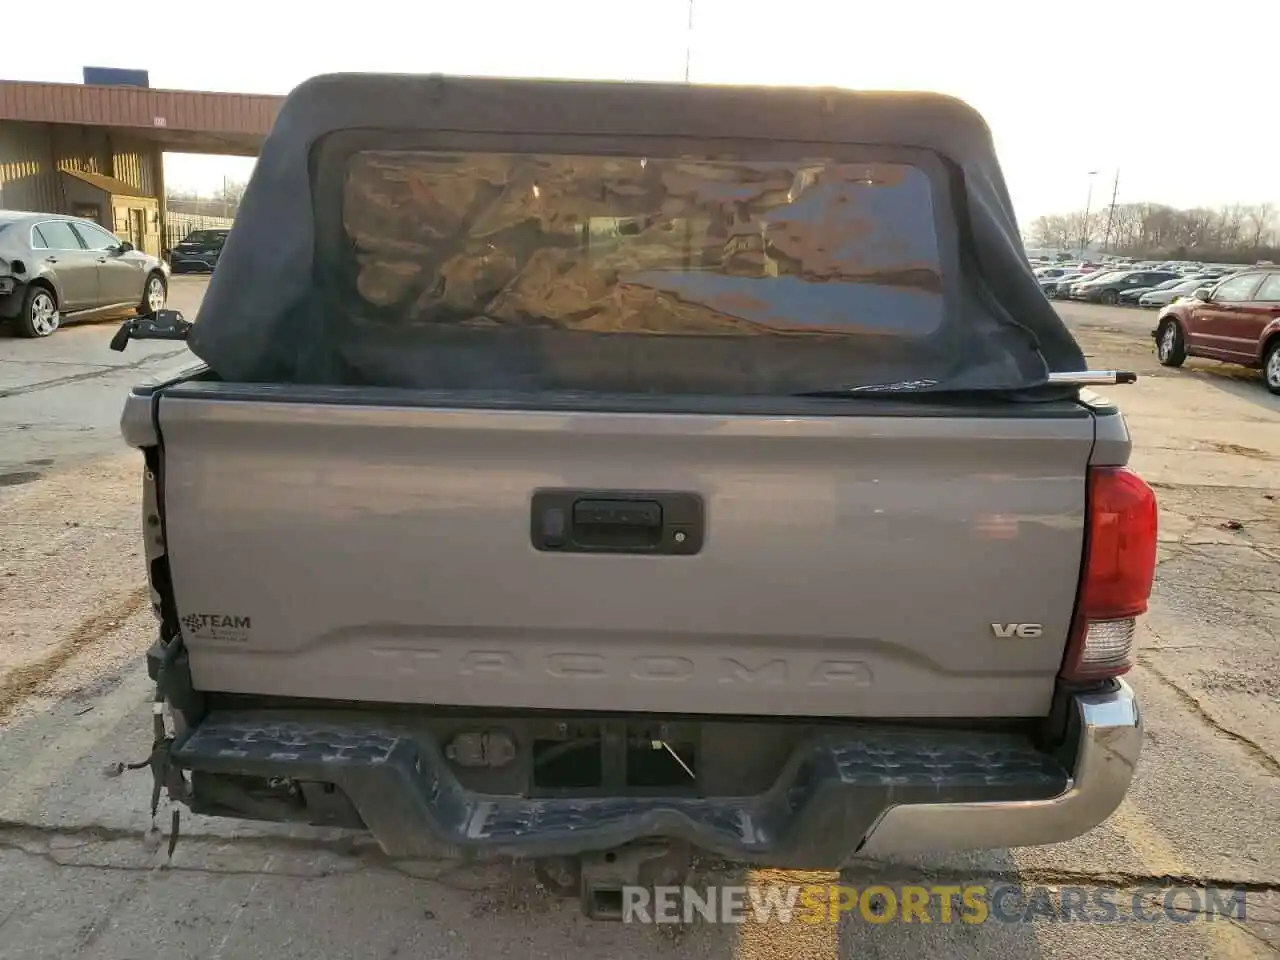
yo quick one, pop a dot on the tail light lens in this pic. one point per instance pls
(1119, 568)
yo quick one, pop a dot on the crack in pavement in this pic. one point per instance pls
(24, 680)
(106, 915)
(52, 362)
(1216, 915)
(33, 840)
(1162, 648)
(1202, 912)
(1184, 546)
(1181, 485)
(370, 860)
(1253, 749)
(89, 375)
(84, 524)
(1272, 947)
(95, 833)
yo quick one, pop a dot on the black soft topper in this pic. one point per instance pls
(422, 231)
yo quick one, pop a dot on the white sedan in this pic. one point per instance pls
(1161, 298)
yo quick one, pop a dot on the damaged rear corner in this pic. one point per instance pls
(166, 659)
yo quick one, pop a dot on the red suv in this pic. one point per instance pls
(1236, 320)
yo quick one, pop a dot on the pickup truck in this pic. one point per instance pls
(600, 473)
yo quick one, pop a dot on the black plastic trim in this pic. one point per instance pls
(823, 804)
(707, 405)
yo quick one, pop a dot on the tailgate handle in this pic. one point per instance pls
(617, 521)
(617, 513)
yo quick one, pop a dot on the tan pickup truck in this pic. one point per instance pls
(598, 472)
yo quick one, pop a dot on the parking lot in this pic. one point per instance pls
(79, 876)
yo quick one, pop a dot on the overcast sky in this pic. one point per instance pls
(1181, 100)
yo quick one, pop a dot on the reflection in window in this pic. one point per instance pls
(1237, 289)
(1269, 292)
(643, 245)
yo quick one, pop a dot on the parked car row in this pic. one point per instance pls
(1169, 291)
(1218, 311)
(1126, 285)
(1236, 320)
(55, 268)
(1108, 286)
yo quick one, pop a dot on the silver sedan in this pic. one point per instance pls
(55, 268)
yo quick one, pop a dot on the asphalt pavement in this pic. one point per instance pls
(60, 396)
(82, 875)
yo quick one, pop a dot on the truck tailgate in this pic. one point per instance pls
(852, 565)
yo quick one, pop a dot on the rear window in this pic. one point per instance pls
(631, 272)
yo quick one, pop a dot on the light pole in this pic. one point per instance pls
(1111, 211)
(688, 43)
(1088, 203)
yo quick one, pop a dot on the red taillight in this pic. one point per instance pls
(1119, 567)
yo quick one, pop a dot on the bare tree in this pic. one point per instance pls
(1231, 226)
(1126, 225)
(221, 202)
(1053, 231)
(1260, 218)
(230, 193)
(1235, 233)
(1082, 231)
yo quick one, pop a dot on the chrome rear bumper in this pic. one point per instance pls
(1107, 728)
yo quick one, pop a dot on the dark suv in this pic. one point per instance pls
(1108, 289)
(198, 251)
(1236, 320)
